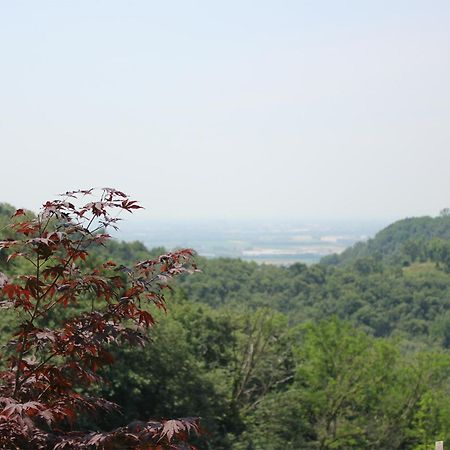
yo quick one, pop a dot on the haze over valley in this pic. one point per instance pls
(272, 241)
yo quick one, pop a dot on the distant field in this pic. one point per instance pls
(280, 242)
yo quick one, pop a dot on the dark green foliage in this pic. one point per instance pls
(404, 237)
(260, 385)
(351, 391)
(185, 369)
(384, 300)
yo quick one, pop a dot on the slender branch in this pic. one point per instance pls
(57, 277)
(17, 382)
(33, 315)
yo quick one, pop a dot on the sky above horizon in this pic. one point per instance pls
(238, 109)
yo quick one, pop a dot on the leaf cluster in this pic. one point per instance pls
(51, 363)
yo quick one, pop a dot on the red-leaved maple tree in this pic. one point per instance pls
(69, 316)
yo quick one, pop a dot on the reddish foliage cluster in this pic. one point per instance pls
(41, 391)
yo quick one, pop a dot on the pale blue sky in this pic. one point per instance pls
(235, 109)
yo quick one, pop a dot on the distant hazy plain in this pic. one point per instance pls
(264, 241)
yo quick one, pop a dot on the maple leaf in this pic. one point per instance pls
(47, 415)
(174, 427)
(19, 212)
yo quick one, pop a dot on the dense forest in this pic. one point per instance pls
(351, 353)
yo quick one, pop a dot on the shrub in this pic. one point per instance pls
(69, 314)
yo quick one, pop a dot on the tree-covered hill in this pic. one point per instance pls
(412, 301)
(397, 242)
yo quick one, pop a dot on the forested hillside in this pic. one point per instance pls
(403, 241)
(348, 354)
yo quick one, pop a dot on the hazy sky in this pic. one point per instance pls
(229, 108)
